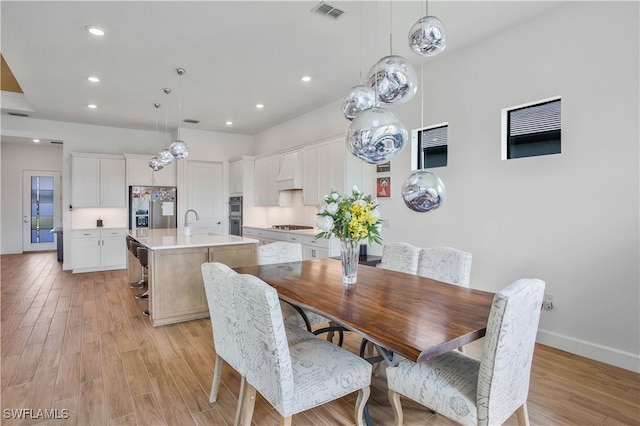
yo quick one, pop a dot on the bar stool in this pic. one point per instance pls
(143, 257)
(133, 247)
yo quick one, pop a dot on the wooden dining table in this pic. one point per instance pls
(409, 315)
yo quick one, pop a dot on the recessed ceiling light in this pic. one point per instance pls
(259, 106)
(36, 140)
(97, 31)
(92, 106)
(306, 78)
(228, 123)
(93, 79)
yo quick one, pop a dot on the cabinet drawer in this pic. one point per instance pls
(107, 233)
(86, 233)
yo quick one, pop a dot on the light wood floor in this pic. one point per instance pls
(79, 347)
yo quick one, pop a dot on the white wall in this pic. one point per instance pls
(570, 219)
(15, 159)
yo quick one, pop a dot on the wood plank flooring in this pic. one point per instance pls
(76, 350)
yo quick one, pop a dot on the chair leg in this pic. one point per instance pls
(394, 399)
(217, 375)
(523, 415)
(361, 401)
(285, 421)
(247, 403)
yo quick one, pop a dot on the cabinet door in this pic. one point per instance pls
(310, 163)
(86, 253)
(166, 176)
(274, 169)
(85, 182)
(138, 172)
(260, 182)
(325, 170)
(310, 252)
(235, 178)
(112, 182)
(113, 252)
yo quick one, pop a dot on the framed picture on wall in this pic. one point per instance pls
(383, 168)
(383, 187)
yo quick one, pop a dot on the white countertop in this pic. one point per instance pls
(174, 238)
(313, 231)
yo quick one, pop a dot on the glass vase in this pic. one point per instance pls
(349, 252)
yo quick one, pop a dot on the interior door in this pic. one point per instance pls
(41, 209)
(205, 195)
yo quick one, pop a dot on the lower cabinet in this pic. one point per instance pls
(99, 250)
(175, 279)
(311, 248)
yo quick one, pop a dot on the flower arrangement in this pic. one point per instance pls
(352, 216)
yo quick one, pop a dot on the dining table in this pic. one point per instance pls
(403, 314)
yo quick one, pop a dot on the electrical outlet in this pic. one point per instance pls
(548, 301)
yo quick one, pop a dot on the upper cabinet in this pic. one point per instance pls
(98, 180)
(140, 174)
(236, 177)
(329, 165)
(266, 173)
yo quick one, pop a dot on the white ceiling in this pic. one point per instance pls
(235, 53)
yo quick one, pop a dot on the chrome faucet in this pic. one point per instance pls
(186, 220)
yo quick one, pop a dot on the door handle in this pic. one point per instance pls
(218, 223)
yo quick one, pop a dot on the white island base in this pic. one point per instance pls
(176, 288)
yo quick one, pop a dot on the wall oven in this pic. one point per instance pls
(235, 216)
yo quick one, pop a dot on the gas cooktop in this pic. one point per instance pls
(291, 227)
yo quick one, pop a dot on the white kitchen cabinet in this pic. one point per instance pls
(311, 248)
(99, 249)
(98, 181)
(327, 165)
(264, 236)
(266, 173)
(236, 177)
(140, 174)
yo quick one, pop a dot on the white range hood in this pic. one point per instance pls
(290, 176)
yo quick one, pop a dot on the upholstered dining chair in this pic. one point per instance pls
(445, 264)
(281, 252)
(292, 378)
(401, 257)
(486, 391)
(224, 323)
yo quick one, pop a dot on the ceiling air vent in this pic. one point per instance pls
(18, 114)
(191, 120)
(326, 9)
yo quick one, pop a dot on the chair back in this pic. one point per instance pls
(401, 257)
(143, 255)
(503, 379)
(264, 341)
(133, 247)
(279, 252)
(223, 313)
(445, 264)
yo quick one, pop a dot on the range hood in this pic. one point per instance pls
(290, 176)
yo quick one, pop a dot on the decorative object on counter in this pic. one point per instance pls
(351, 218)
(179, 148)
(358, 99)
(423, 191)
(376, 135)
(427, 37)
(99, 223)
(394, 80)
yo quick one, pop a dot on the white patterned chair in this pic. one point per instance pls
(401, 257)
(486, 391)
(445, 264)
(224, 324)
(282, 252)
(291, 378)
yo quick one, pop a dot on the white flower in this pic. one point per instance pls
(322, 209)
(325, 223)
(355, 189)
(361, 203)
(335, 195)
(332, 208)
(376, 213)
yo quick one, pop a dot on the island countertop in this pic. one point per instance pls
(174, 238)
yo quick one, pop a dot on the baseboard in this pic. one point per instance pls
(622, 359)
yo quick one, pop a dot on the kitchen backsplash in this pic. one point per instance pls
(294, 213)
(83, 218)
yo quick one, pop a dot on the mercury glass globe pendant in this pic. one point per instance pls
(394, 79)
(427, 37)
(423, 191)
(178, 148)
(376, 135)
(155, 164)
(358, 99)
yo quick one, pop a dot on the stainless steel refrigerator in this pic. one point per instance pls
(152, 207)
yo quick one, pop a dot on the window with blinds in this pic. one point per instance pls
(534, 129)
(432, 146)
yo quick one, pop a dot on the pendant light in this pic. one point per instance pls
(179, 149)
(165, 155)
(427, 37)
(155, 163)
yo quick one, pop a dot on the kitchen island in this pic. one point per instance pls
(176, 289)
